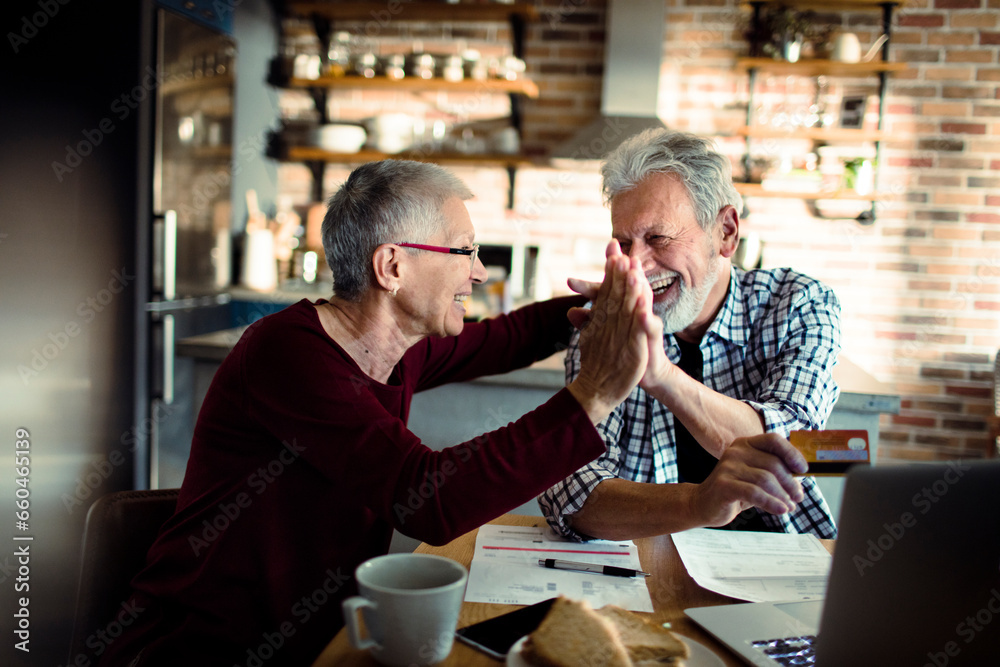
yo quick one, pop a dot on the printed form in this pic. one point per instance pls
(505, 569)
(757, 567)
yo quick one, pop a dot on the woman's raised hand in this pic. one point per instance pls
(615, 330)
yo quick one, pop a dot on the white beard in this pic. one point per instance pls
(691, 301)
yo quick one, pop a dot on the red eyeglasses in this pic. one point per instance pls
(472, 252)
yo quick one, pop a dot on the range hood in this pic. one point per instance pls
(633, 50)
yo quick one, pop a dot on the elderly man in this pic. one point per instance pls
(743, 354)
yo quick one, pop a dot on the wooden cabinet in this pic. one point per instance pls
(326, 16)
(756, 66)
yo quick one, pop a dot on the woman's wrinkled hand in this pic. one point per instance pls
(614, 334)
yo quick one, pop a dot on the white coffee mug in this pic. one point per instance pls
(410, 604)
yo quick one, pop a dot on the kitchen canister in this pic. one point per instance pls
(260, 269)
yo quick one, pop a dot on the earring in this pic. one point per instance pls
(394, 291)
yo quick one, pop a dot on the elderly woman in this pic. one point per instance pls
(302, 463)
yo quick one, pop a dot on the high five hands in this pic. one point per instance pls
(616, 333)
(657, 363)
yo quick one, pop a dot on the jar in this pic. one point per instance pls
(365, 64)
(339, 54)
(453, 69)
(306, 66)
(395, 66)
(422, 65)
(510, 68)
(476, 67)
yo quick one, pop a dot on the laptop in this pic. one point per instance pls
(915, 578)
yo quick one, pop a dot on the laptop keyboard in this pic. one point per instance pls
(789, 651)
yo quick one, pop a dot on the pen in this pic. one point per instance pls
(556, 564)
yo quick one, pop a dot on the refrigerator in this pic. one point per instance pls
(85, 114)
(185, 236)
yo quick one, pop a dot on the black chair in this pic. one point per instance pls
(120, 529)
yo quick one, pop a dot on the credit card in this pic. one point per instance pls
(831, 452)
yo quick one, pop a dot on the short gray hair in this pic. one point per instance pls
(706, 173)
(382, 202)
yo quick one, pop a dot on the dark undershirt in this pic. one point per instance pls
(694, 464)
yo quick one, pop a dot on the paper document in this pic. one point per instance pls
(505, 569)
(757, 567)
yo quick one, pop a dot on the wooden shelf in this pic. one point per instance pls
(818, 67)
(412, 11)
(832, 5)
(836, 134)
(521, 86)
(222, 152)
(757, 190)
(176, 87)
(325, 14)
(312, 154)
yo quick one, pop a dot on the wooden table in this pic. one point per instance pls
(670, 587)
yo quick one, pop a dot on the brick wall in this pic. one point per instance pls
(920, 288)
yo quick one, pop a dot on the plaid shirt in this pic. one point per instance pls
(773, 346)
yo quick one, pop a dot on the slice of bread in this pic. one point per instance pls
(646, 642)
(574, 634)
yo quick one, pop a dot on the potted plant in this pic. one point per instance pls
(781, 31)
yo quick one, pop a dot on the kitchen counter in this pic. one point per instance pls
(859, 391)
(287, 294)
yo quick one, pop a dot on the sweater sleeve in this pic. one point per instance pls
(496, 345)
(568, 496)
(308, 395)
(441, 495)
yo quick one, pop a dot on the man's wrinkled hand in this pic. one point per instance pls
(758, 471)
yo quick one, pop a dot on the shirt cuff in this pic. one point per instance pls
(775, 419)
(568, 497)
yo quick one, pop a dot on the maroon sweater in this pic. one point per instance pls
(302, 465)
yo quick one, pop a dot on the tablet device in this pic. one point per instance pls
(495, 636)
